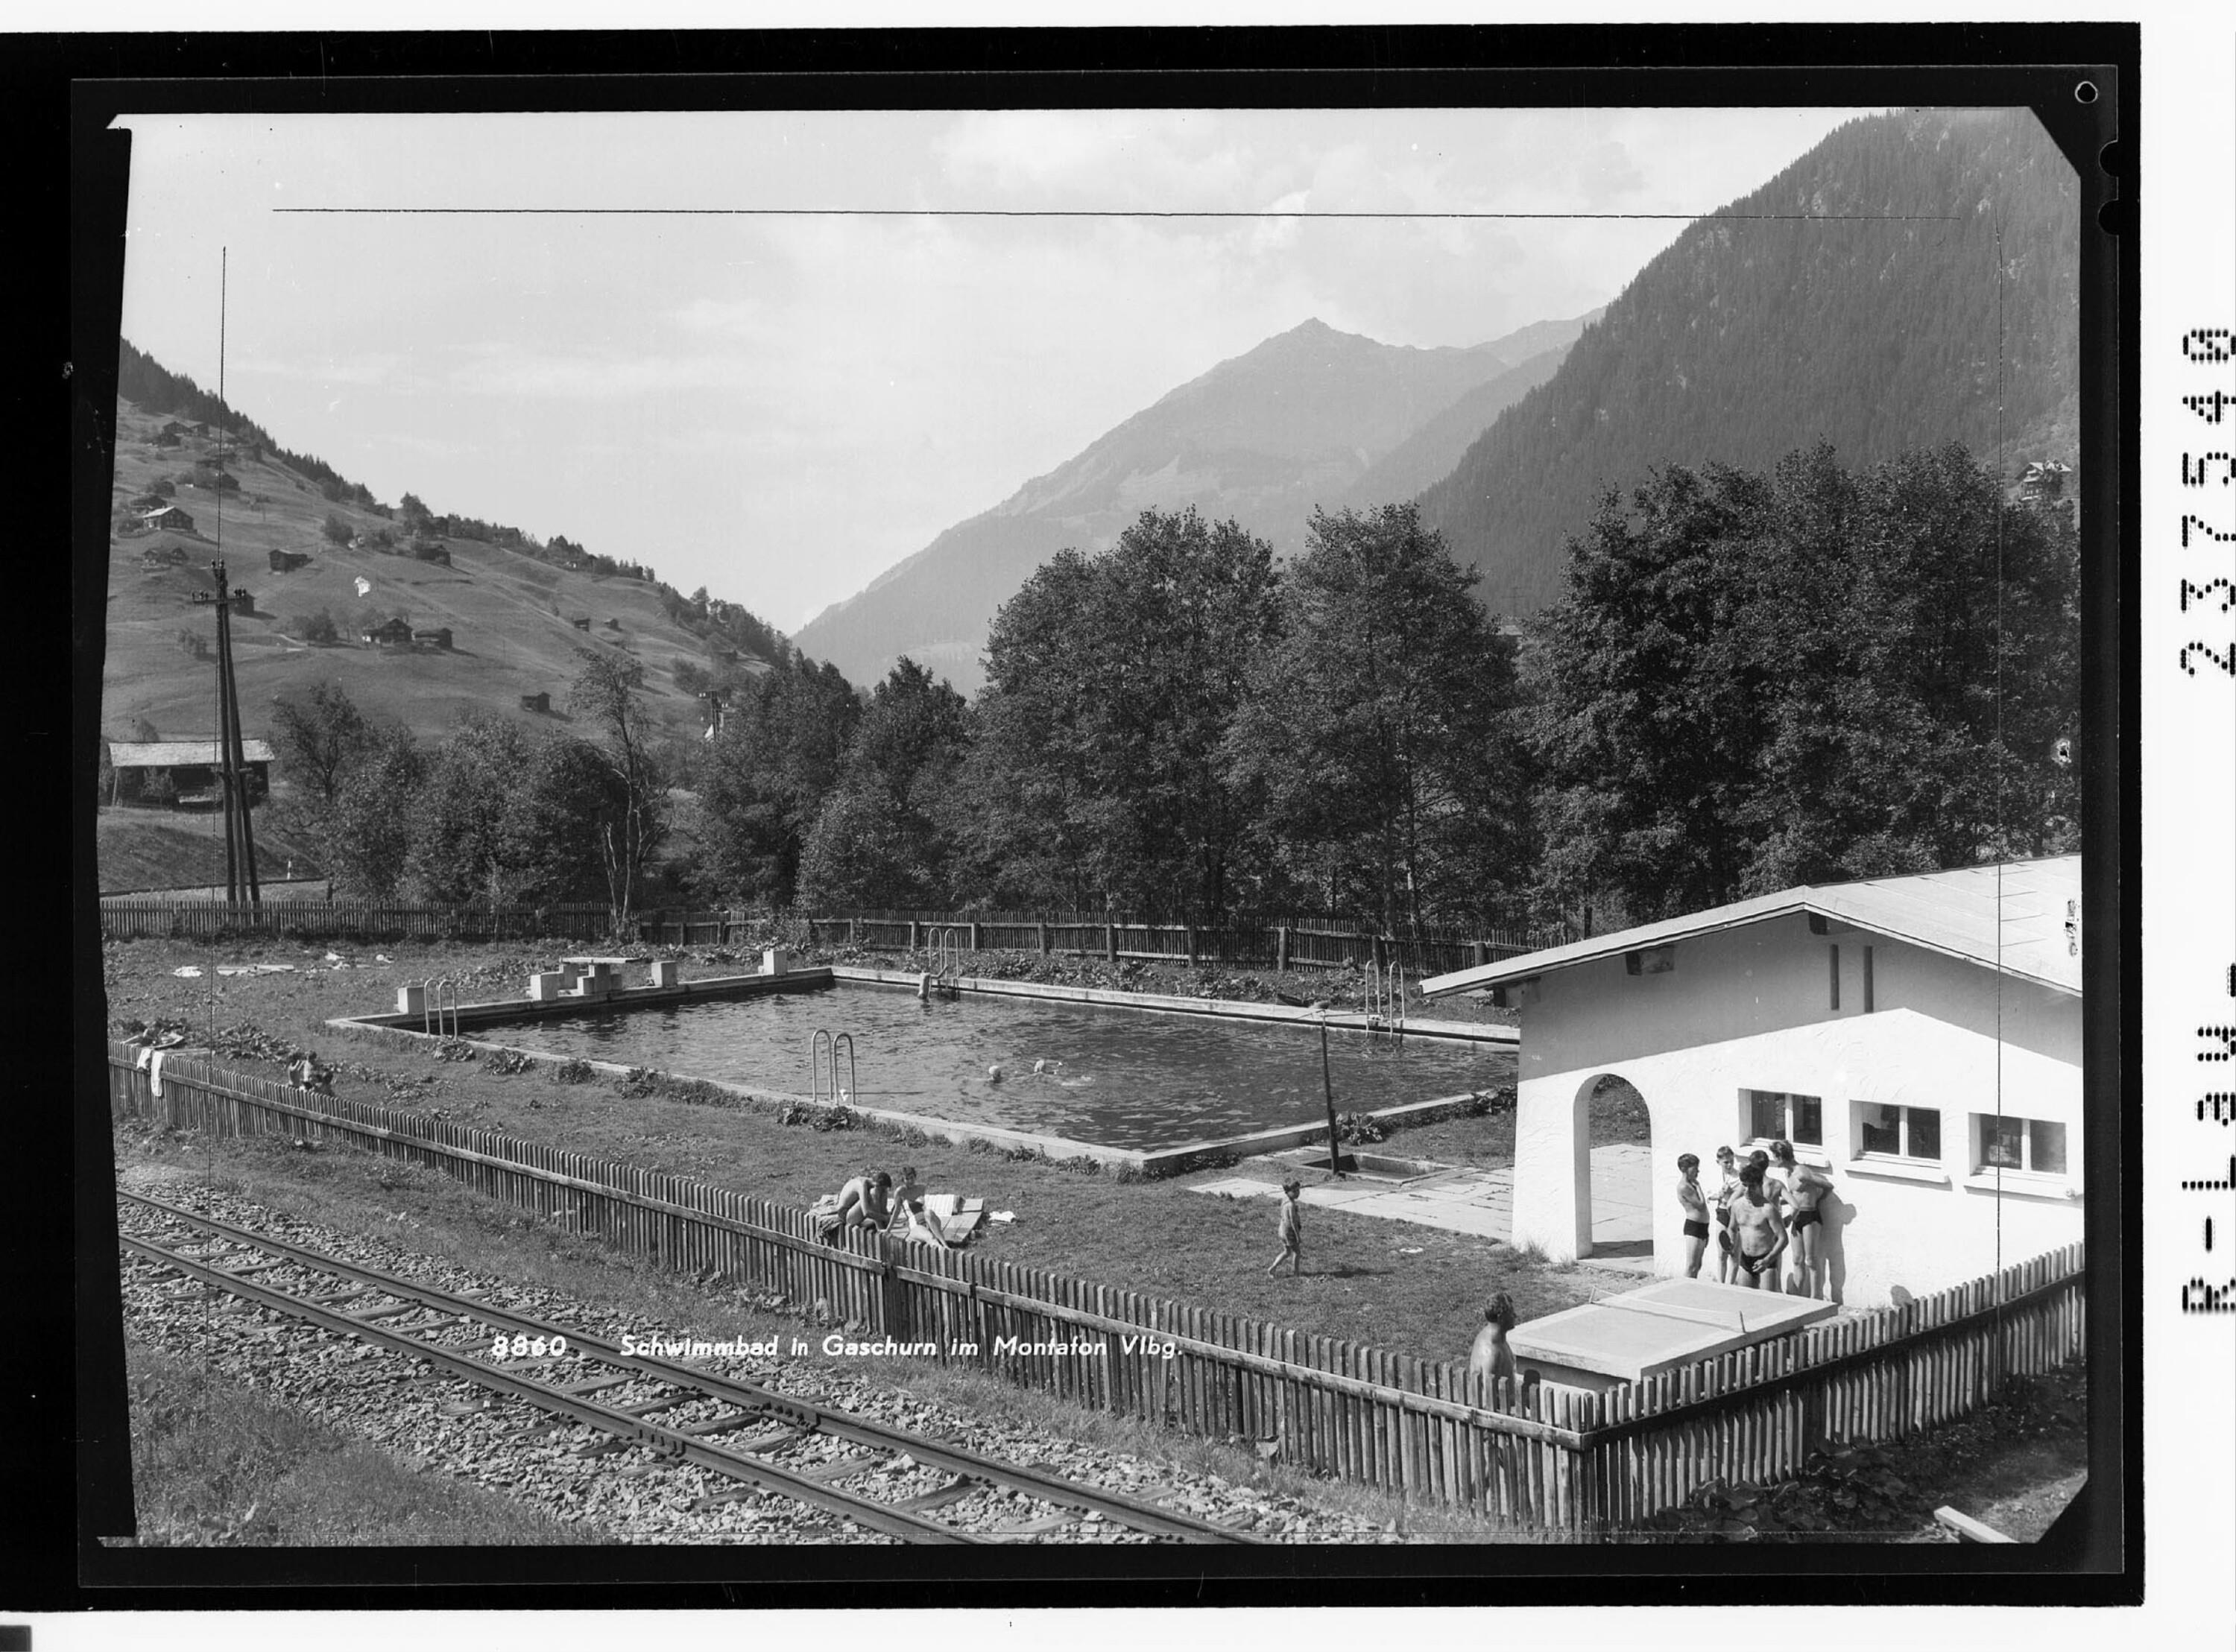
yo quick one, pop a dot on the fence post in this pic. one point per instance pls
(973, 937)
(1187, 932)
(911, 934)
(1110, 942)
(1479, 952)
(1043, 929)
(1281, 946)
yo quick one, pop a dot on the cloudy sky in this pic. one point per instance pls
(775, 353)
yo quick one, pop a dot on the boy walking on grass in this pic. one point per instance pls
(1292, 1231)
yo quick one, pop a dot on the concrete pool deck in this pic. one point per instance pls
(1479, 1202)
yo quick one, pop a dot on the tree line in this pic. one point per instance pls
(1753, 679)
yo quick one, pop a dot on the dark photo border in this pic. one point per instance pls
(68, 90)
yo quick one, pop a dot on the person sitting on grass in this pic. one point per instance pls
(917, 1228)
(1694, 1203)
(1757, 1232)
(908, 1193)
(1292, 1231)
(861, 1202)
(1492, 1356)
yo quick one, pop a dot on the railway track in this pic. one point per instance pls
(772, 1444)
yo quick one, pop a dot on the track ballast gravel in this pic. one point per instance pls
(446, 1424)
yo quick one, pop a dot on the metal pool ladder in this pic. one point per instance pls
(438, 993)
(947, 960)
(1385, 999)
(825, 1040)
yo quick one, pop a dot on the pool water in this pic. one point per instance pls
(1119, 1078)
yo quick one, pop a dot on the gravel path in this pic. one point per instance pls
(449, 1426)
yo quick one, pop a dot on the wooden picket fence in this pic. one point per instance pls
(1263, 945)
(285, 911)
(1578, 1463)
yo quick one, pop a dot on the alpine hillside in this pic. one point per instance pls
(1263, 438)
(1855, 298)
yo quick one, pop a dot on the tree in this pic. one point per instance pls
(411, 513)
(1652, 697)
(320, 737)
(630, 818)
(1756, 682)
(882, 839)
(1111, 682)
(1382, 728)
(336, 530)
(505, 816)
(365, 839)
(779, 755)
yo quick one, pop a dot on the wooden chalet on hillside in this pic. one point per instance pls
(288, 561)
(436, 637)
(536, 703)
(190, 768)
(388, 634)
(169, 517)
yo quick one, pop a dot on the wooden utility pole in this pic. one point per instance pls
(241, 881)
(1327, 1095)
(232, 764)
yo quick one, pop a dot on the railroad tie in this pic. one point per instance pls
(670, 1404)
(735, 1419)
(386, 1313)
(954, 1491)
(840, 1468)
(1033, 1528)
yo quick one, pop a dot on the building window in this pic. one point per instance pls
(1774, 1114)
(2029, 1144)
(1897, 1132)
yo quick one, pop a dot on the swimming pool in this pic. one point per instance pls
(1119, 1078)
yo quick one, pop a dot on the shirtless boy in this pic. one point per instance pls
(1292, 1226)
(1805, 1188)
(1491, 1356)
(1694, 1203)
(1727, 1188)
(1757, 1232)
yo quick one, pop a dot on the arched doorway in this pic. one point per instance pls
(1614, 1138)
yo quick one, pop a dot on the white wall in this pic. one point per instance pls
(1750, 1009)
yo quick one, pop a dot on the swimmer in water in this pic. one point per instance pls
(994, 1074)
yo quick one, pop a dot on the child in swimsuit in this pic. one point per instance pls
(1728, 1164)
(1805, 1188)
(1694, 1203)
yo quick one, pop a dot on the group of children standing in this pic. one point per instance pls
(1768, 1207)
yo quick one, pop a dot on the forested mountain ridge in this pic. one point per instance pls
(1261, 438)
(1854, 299)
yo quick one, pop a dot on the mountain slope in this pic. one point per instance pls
(1752, 335)
(510, 606)
(1262, 438)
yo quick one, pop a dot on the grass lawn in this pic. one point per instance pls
(1412, 1289)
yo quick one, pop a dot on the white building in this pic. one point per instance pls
(1918, 1037)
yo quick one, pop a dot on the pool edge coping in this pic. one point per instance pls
(1156, 1164)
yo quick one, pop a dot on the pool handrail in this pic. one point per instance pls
(432, 1002)
(823, 1039)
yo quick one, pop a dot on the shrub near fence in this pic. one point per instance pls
(1575, 1463)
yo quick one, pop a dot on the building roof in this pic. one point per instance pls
(178, 754)
(2009, 916)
